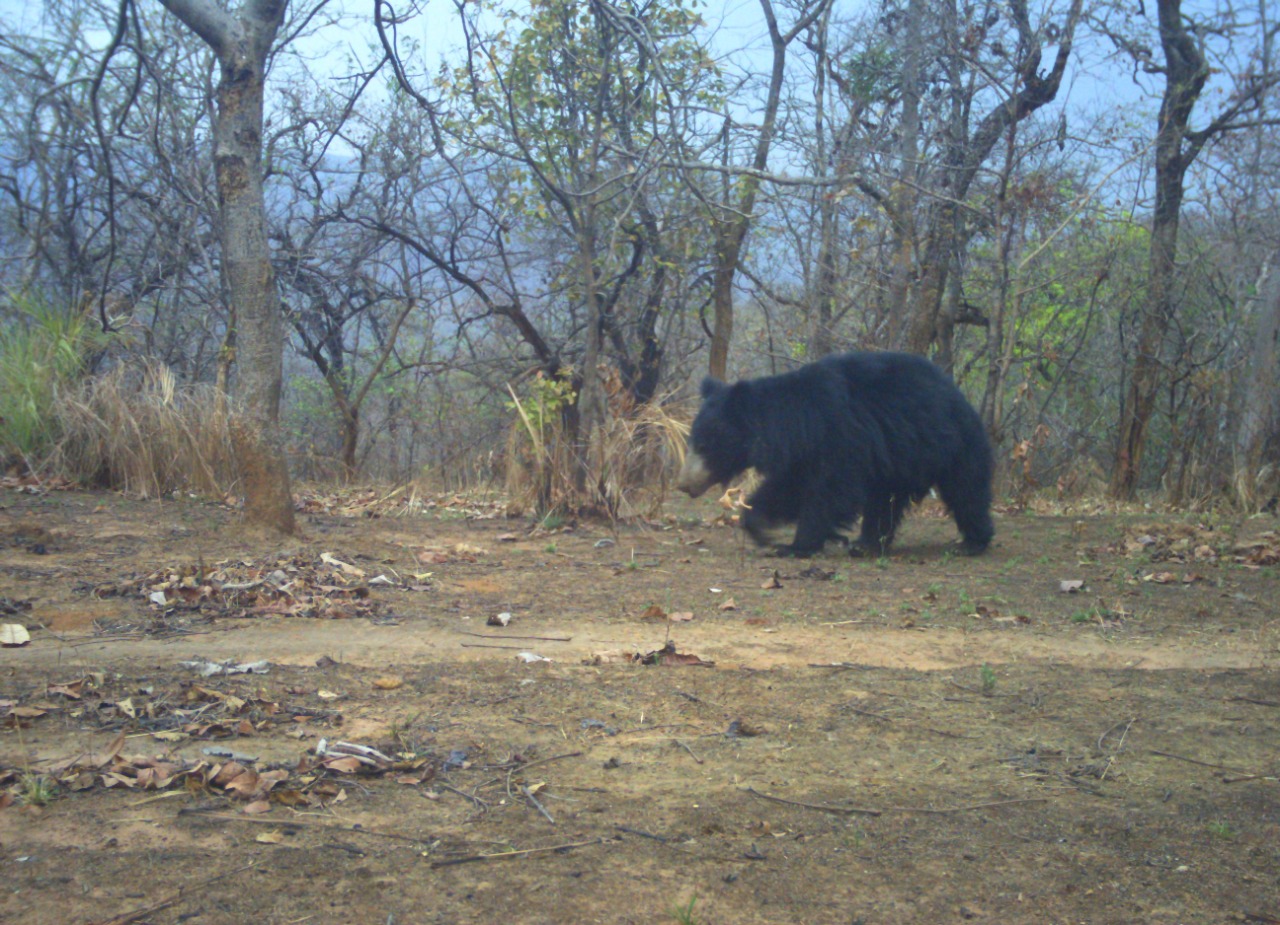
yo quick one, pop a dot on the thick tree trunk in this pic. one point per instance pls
(241, 42)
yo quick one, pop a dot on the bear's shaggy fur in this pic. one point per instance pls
(858, 435)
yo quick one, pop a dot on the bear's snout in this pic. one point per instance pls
(695, 477)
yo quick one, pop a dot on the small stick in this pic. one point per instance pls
(462, 793)
(843, 666)
(528, 795)
(964, 809)
(299, 823)
(846, 810)
(533, 764)
(630, 831)
(506, 855)
(1206, 764)
(510, 636)
(1119, 745)
(1261, 703)
(1102, 738)
(689, 750)
(128, 918)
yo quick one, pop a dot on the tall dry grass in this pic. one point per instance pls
(137, 429)
(624, 471)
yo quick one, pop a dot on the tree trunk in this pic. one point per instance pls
(1185, 75)
(729, 239)
(241, 42)
(1260, 405)
(731, 228)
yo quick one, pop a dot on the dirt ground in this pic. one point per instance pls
(1082, 726)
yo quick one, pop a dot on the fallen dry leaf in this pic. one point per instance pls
(13, 635)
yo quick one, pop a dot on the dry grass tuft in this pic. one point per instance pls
(624, 472)
(138, 430)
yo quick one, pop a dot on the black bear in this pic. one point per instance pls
(861, 434)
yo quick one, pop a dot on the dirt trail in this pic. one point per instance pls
(360, 643)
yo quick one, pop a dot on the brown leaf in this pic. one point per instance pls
(653, 612)
(772, 583)
(345, 765)
(730, 604)
(257, 807)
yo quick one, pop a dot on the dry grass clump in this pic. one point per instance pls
(622, 471)
(138, 430)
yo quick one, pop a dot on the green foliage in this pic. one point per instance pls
(43, 351)
(36, 789)
(684, 913)
(546, 397)
(988, 675)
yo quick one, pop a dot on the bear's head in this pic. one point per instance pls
(719, 440)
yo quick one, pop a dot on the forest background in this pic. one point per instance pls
(468, 243)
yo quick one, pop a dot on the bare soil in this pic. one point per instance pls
(921, 738)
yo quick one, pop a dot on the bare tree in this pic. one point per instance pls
(1186, 70)
(242, 42)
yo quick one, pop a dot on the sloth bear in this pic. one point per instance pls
(861, 434)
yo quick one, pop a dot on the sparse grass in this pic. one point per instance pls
(988, 676)
(1221, 830)
(683, 914)
(36, 789)
(553, 521)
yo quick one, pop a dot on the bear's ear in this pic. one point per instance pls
(710, 386)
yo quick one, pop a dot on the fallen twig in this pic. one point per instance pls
(1203, 764)
(462, 793)
(528, 795)
(845, 810)
(512, 636)
(524, 852)
(1119, 745)
(299, 823)
(631, 831)
(689, 750)
(128, 918)
(962, 809)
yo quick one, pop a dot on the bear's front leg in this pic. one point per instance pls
(814, 527)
